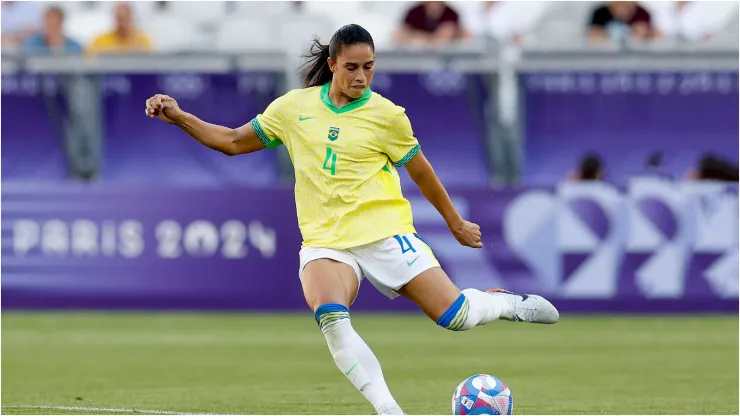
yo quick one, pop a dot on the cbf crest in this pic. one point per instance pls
(333, 133)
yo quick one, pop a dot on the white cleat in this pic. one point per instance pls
(391, 409)
(528, 308)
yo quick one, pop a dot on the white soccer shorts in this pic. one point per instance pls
(388, 264)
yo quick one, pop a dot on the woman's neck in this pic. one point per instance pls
(336, 96)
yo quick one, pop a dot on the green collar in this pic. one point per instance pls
(350, 106)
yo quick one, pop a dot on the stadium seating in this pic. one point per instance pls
(295, 30)
(236, 28)
(564, 22)
(244, 33)
(261, 9)
(85, 25)
(170, 34)
(198, 12)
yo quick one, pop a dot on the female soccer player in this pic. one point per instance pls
(346, 142)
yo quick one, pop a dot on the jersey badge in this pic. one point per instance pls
(333, 133)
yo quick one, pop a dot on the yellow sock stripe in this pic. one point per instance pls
(464, 316)
(459, 320)
(456, 323)
(331, 317)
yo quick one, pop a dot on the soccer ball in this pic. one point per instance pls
(482, 394)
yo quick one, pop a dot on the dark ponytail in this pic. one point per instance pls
(318, 71)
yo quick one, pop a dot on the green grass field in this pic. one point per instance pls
(279, 364)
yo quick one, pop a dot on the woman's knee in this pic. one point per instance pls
(432, 291)
(327, 281)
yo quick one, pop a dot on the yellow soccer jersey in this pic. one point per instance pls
(347, 190)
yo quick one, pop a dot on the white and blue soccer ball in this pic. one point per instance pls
(482, 394)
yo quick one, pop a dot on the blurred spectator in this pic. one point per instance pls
(125, 37)
(692, 20)
(668, 19)
(20, 19)
(712, 167)
(430, 23)
(590, 168)
(504, 21)
(621, 20)
(52, 38)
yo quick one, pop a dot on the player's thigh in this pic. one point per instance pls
(433, 291)
(329, 276)
(405, 265)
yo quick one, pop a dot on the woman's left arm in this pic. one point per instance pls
(422, 173)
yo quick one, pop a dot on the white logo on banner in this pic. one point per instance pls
(56, 238)
(21, 84)
(650, 239)
(609, 83)
(248, 83)
(78, 238)
(382, 82)
(443, 82)
(188, 86)
(116, 85)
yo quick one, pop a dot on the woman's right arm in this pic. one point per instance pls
(226, 140)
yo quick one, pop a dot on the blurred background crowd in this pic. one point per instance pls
(169, 26)
(498, 33)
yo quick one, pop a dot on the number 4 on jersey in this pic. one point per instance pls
(330, 162)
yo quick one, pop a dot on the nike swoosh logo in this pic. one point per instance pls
(409, 263)
(301, 118)
(352, 368)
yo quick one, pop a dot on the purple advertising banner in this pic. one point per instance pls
(444, 108)
(33, 146)
(140, 151)
(654, 246)
(626, 117)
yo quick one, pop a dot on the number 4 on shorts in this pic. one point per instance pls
(403, 239)
(331, 157)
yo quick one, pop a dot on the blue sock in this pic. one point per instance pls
(329, 314)
(456, 315)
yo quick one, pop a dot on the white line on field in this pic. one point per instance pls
(105, 409)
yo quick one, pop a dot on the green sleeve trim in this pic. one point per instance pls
(274, 143)
(260, 133)
(410, 155)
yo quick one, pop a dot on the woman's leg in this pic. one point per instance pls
(330, 287)
(457, 310)
(406, 265)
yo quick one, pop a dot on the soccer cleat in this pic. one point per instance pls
(391, 409)
(528, 308)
